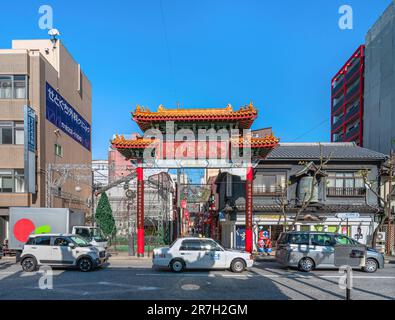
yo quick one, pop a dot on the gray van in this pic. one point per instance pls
(308, 250)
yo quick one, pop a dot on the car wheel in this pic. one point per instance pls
(29, 264)
(306, 265)
(237, 265)
(85, 264)
(177, 265)
(370, 266)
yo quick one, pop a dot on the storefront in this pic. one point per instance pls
(233, 232)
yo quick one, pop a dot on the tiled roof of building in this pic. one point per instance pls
(119, 142)
(333, 150)
(244, 116)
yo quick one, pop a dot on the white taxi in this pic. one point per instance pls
(200, 253)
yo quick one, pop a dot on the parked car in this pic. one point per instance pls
(200, 253)
(66, 250)
(310, 250)
(93, 235)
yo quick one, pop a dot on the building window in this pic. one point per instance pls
(345, 184)
(354, 106)
(13, 87)
(12, 181)
(337, 118)
(19, 133)
(353, 86)
(353, 126)
(338, 137)
(338, 80)
(269, 183)
(11, 132)
(6, 132)
(58, 150)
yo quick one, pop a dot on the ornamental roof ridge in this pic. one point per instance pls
(227, 109)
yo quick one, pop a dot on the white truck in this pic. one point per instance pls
(25, 221)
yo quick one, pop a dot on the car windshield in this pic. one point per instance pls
(80, 242)
(97, 234)
(90, 234)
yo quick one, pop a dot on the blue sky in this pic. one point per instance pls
(279, 54)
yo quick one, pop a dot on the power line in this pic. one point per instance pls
(312, 129)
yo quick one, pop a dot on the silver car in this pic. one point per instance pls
(310, 250)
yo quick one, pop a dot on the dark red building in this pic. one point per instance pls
(347, 90)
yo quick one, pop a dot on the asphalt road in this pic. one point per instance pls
(131, 279)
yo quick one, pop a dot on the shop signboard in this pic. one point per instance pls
(61, 114)
(30, 128)
(347, 215)
(240, 237)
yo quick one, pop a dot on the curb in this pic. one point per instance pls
(130, 258)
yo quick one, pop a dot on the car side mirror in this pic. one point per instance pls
(71, 245)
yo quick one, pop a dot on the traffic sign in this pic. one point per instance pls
(347, 215)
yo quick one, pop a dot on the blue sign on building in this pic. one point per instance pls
(30, 149)
(60, 113)
(31, 129)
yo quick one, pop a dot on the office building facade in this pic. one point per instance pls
(379, 113)
(347, 100)
(45, 118)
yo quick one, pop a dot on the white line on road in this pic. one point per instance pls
(258, 275)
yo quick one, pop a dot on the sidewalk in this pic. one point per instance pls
(121, 255)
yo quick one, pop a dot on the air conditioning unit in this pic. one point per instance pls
(381, 237)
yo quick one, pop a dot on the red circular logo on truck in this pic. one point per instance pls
(23, 228)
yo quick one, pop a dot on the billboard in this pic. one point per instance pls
(60, 113)
(30, 149)
(240, 237)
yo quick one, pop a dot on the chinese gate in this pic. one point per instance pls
(195, 138)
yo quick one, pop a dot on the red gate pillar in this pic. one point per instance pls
(140, 210)
(248, 208)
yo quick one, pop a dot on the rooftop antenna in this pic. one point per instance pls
(54, 33)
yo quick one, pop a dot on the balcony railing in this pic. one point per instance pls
(339, 122)
(338, 139)
(352, 111)
(337, 87)
(352, 132)
(338, 104)
(352, 71)
(261, 190)
(345, 192)
(353, 91)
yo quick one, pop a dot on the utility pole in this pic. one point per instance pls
(93, 198)
(388, 201)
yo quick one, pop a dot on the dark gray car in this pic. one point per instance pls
(310, 250)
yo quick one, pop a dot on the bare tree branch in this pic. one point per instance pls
(305, 204)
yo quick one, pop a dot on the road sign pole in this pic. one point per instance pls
(349, 283)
